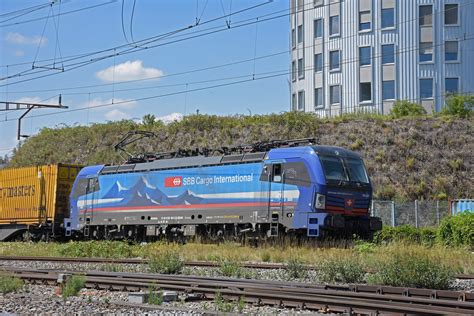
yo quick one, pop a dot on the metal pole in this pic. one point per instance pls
(416, 213)
(393, 214)
(372, 211)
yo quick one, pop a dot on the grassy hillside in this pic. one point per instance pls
(424, 157)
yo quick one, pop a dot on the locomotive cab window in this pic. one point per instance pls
(276, 175)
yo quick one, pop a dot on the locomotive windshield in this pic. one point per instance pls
(344, 169)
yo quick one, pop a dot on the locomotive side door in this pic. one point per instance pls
(276, 200)
(92, 186)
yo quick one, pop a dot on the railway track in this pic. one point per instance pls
(347, 299)
(251, 265)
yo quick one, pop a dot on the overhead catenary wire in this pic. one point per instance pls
(298, 47)
(253, 78)
(126, 52)
(138, 46)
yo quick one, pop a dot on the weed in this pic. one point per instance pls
(413, 271)
(73, 285)
(241, 305)
(168, 262)
(347, 270)
(230, 268)
(112, 267)
(10, 284)
(409, 163)
(296, 269)
(223, 305)
(358, 144)
(266, 256)
(455, 164)
(155, 297)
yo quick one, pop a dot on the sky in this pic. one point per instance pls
(220, 57)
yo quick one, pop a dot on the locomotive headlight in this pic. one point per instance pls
(320, 201)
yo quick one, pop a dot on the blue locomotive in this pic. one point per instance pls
(288, 188)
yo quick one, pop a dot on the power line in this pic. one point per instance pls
(138, 46)
(211, 67)
(276, 74)
(63, 13)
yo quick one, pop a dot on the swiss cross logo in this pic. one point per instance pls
(349, 202)
(174, 181)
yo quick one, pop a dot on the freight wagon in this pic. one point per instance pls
(34, 201)
(307, 191)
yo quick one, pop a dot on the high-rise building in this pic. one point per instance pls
(363, 55)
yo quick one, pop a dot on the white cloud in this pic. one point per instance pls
(129, 70)
(20, 39)
(170, 118)
(122, 103)
(29, 100)
(19, 53)
(116, 115)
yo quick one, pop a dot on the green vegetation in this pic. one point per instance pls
(459, 105)
(10, 284)
(168, 261)
(103, 248)
(231, 268)
(457, 230)
(227, 306)
(155, 297)
(295, 268)
(73, 285)
(412, 270)
(392, 148)
(346, 269)
(405, 108)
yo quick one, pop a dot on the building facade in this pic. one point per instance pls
(363, 55)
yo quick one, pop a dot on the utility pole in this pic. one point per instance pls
(18, 106)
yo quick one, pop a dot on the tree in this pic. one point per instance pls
(405, 108)
(149, 120)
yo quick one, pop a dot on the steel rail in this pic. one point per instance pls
(251, 265)
(272, 293)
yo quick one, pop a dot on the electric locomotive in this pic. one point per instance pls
(260, 192)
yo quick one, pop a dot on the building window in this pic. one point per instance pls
(365, 93)
(451, 51)
(300, 34)
(318, 97)
(388, 18)
(318, 62)
(293, 38)
(334, 25)
(318, 28)
(300, 68)
(451, 85)
(318, 3)
(388, 54)
(364, 56)
(335, 94)
(426, 88)
(334, 60)
(451, 14)
(426, 15)
(426, 52)
(388, 90)
(364, 20)
(293, 71)
(301, 100)
(294, 105)
(300, 4)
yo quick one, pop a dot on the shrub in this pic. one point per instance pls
(230, 268)
(457, 230)
(347, 270)
(10, 284)
(72, 286)
(103, 249)
(223, 305)
(413, 271)
(168, 261)
(459, 105)
(407, 233)
(405, 108)
(296, 269)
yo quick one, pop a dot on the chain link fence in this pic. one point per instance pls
(415, 213)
